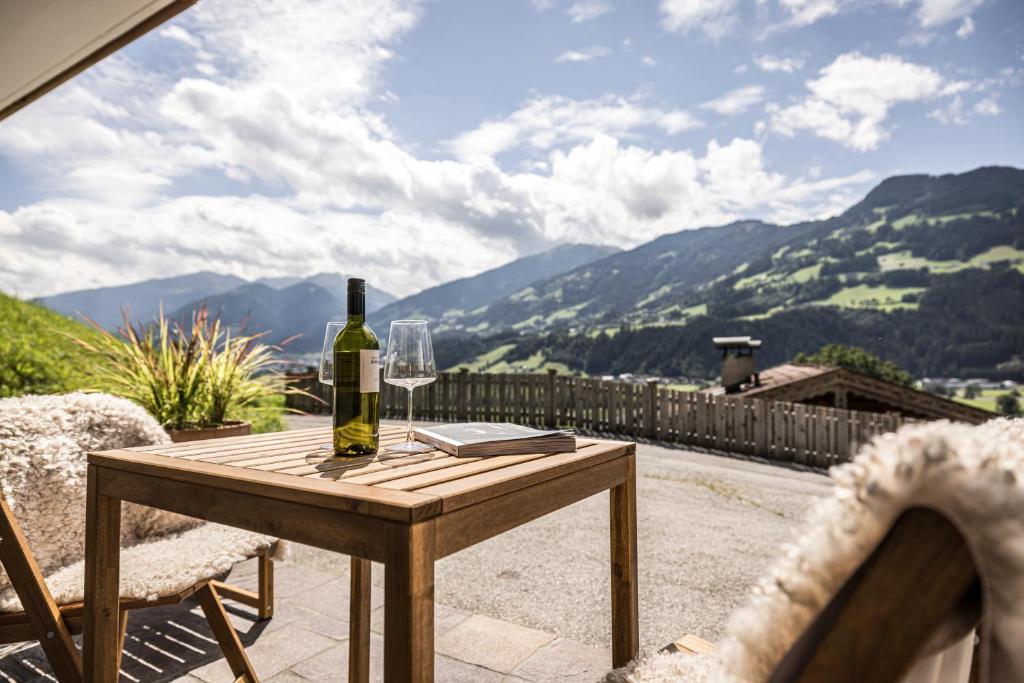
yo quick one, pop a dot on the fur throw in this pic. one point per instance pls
(972, 474)
(43, 445)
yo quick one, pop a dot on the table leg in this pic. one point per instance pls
(409, 605)
(102, 575)
(625, 622)
(359, 622)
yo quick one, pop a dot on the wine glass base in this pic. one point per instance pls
(326, 447)
(409, 447)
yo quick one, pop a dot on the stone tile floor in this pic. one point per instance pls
(307, 640)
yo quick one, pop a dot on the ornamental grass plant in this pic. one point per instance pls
(192, 378)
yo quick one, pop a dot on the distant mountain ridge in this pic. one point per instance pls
(182, 294)
(104, 304)
(464, 297)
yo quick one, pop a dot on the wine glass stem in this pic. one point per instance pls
(408, 427)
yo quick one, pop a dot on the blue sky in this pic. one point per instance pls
(416, 142)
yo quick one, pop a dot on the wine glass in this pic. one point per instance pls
(327, 362)
(409, 363)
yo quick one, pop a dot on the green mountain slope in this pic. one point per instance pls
(451, 304)
(886, 274)
(877, 255)
(36, 356)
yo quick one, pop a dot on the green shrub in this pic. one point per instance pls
(1008, 405)
(857, 360)
(200, 377)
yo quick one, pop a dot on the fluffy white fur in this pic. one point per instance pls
(43, 445)
(974, 475)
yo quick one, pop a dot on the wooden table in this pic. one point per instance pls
(406, 512)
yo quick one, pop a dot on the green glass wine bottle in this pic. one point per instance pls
(356, 380)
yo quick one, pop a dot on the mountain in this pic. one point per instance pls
(301, 309)
(899, 272)
(284, 311)
(143, 298)
(279, 282)
(451, 303)
(338, 285)
(274, 303)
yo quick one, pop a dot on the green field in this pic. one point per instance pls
(865, 296)
(494, 361)
(904, 260)
(682, 387)
(986, 399)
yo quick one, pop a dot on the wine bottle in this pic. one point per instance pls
(356, 380)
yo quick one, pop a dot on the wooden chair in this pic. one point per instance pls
(54, 625)
(897, 607)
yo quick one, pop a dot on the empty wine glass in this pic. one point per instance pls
(327, 362)
(409, 363)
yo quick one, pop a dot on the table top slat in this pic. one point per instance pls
(226, 441)
(329, 463)
(476, 488)
(459, 471)
(437, 460)
(368, 500)
(279, 454)
(240, 454)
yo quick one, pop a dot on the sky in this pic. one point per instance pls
(414, 142)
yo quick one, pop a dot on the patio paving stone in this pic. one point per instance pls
(491, 643)
(566, 660)
(272, 653)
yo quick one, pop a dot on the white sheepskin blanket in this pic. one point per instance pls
(43, 445)
(972, 474)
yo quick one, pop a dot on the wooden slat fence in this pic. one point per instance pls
(808, 435)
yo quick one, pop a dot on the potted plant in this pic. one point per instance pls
(197, 383)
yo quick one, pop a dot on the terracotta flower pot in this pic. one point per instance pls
(226, 429)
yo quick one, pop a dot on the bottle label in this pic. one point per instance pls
(369, 371)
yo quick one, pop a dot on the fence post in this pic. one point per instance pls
(461, 396)
(549, 404)
(651, 409)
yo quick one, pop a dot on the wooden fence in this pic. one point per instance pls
(793, 432)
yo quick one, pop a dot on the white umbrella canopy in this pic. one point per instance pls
(45, 42)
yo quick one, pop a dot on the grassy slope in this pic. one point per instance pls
(36, 356)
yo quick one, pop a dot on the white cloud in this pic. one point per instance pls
(584, 55)
(951, 113)
(988, 107)
(304, 176)
(932, 13)
(549, 121)
(175, 32)
(785, 64)
(850, 100)
(736, 101)
(966, 28)
(713, 17)
(587, 10)
(806, 12)
(648, 60)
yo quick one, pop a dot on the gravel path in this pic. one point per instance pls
(708, 526)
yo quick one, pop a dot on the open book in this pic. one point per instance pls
(495, 438)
